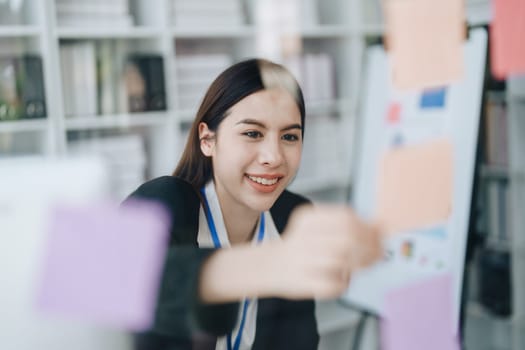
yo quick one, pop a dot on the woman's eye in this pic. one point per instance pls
(290, 137)
(253, 134)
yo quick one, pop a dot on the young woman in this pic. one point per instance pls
(229, 191)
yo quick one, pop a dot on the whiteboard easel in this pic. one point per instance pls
(458, 120)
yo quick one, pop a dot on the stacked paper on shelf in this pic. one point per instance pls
(285, 15)
(125, 156)
(193, 13)
(95, 13)
(322, 151)
(195, 73)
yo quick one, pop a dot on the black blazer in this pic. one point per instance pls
(181, 320)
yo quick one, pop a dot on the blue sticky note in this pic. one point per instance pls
(433, 98)
(102, 264)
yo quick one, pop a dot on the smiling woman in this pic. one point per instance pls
(229, 190)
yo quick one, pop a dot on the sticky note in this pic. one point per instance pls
(420, 316)
(415, 186)
(102, 264)
(393, 114)
(433, 98)
(425, 42)
(506, 37)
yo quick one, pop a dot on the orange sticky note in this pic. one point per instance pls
(425, 41)
(506, 36)
(415, 186)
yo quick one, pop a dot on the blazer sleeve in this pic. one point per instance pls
(179, 312)
(287, 324)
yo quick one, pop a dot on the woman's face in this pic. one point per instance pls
(256, 150)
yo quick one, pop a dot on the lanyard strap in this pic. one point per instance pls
(213, 228)
(217, 244)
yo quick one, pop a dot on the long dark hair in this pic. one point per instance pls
(231, 86)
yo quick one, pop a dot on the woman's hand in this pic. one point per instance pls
(321, 248)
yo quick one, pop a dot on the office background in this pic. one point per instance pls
(82, 77)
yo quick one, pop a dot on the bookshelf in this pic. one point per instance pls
(59, 31)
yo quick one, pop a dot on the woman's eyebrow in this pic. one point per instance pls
(251, 122)
(292, 126)
(262, 125)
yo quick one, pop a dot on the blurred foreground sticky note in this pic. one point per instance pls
(506, 37)
(420, 316)
(415, 186)
(103, 264)
(425, 41)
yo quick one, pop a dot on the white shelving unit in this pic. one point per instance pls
(336, 32)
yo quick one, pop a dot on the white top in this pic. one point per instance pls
(204, 240)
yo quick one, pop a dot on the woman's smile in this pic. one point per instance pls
(265, 183)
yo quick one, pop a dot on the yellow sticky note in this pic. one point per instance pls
(425, 41)
(415, 186)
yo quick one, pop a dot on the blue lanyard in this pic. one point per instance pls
(217, 244)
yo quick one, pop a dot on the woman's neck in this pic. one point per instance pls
(240, 227)
(240, 221)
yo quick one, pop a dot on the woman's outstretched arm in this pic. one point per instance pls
(320, 249)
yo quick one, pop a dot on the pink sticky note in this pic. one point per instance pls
(506, 37)
(394, 113)
(415, 186)
(420, 316)
(103, 264)
(425, 41)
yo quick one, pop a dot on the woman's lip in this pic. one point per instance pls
(263, 188)
(266, 176)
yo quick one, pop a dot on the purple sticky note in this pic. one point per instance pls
(420, 316)
(103, 264)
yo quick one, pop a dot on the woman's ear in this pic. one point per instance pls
(207, 139)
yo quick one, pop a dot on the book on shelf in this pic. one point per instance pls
(22, 94)
(144, 81)
(497, 210)
(78, 75)
(99, 78)
(108, 74)
(496, 130)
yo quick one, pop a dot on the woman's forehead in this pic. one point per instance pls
(271, 105)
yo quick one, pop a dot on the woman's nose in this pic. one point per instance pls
(270, 153)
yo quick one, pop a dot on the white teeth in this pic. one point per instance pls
(263, 181)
